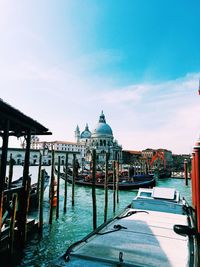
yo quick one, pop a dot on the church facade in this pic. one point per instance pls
(101, 139)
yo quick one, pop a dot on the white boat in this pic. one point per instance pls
(156, 229)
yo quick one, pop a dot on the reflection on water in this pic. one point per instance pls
(77, 221)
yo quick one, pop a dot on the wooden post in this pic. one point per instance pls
(3, 167)
(114, 187)
(51, 193)
(186, 171)
(117, 180)
(129, 173)
(65, 191)
(73, 178)
(106, 189)
(26, 184)
(10, 175)
(39, 173)
(41, 199)
(12, 224)
(58, 189)
(94, 189)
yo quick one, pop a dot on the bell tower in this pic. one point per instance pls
(77, 134)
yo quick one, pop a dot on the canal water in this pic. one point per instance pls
(77, 221)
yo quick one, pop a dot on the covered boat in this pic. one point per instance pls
(156, 229)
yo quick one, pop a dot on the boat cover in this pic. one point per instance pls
(146, 239)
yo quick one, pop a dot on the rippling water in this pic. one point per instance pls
(77, 221)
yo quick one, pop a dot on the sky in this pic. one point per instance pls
(64, 61)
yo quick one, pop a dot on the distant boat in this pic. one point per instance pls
(156, 229)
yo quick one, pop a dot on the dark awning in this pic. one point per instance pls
(19, 123)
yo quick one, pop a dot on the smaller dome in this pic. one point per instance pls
(86, 133)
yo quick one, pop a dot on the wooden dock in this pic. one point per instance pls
(15, 224)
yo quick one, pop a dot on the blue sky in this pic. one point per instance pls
(62, 62)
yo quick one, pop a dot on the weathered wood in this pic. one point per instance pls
(114, 187)
(4, 152)
(41, 199)
(58, 189)
(12, 224)
(26, 183)
(65, 191)
(94, 189)
(39, 173)
(186, 172)
(24, 211)
(51, 193)
(73, 178)
(27, 158)
(117, 179)
(10, 174)
(106, 189)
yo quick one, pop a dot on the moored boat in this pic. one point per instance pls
(33, 190)
(134, 182)
(156, 229)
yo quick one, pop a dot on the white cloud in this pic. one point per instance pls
(142, 115)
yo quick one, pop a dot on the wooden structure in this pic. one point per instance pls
(14, 202)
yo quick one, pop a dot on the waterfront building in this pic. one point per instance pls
(149, 153)
(130, 156)
(101, 139)
(61, 148)
(178, 161)
(18, 156)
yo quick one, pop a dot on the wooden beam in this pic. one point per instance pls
(3, 167)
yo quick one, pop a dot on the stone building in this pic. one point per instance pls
(149, 153)
(101, 139)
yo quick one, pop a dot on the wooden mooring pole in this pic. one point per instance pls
(39, 173)
(94, 205)
(10, 175)
(26, 192)
(114, 187)
(58, 189)
(106, 189)
(12, 224)
(41, 200)
(65, 191)
(117, 179)
(73, 178)
(186, 171)
(51, 193)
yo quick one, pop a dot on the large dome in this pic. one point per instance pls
(102, 129)
(86, 133)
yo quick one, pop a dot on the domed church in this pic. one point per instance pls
(101, 139)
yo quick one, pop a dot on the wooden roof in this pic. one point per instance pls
(19, 122)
